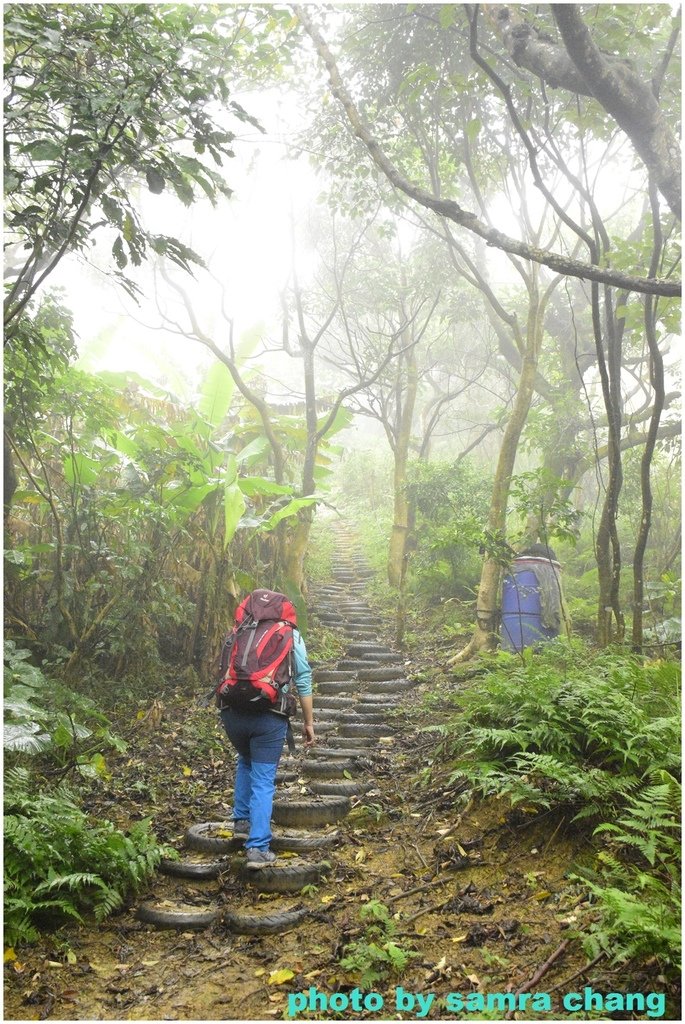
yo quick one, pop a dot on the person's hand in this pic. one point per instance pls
(308, 735)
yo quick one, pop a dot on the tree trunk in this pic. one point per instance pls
(400, 525)
(488, 591)
(397, 564)
(607, 546)
(10, 484)
(656, 374)
(297, 541)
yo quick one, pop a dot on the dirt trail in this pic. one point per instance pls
(480, 903)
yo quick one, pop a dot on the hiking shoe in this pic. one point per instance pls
(257, 858)
(241, 828)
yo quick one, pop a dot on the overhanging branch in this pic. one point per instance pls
(452, 211)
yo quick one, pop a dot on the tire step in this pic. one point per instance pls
(194, 869)
(180, 916)
(381, 674)
(324, 752)
(287, 877)
(368, 647)
(334, 703)
(343, 788)
(213, 837)
(330, 675)
(332, 769)
(366, 730)
(294, 809)
(346, 742)
(263, 924)
(334, 687)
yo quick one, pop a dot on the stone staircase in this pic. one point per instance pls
(315, 792)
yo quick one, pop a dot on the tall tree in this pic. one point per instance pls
(453, 210)
(100, 99)
(546, 161)
(581, 65)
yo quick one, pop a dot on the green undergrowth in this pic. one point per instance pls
(43, 718)
(566, 727)
(325, 644)
(376, 955)
(436, 621)
(595, 735)
(61, 864)
(321, 549)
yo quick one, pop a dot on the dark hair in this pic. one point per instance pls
(538, 551)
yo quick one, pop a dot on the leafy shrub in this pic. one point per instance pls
(597, 734)
(61, 864)
(42, 716)
(564, 728)
(638, 888)
(452, 501)
(376, 955)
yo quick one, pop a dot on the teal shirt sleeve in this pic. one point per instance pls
(303, 672)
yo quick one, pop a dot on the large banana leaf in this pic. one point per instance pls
(291, 509)
(216, 392)
(234, 501)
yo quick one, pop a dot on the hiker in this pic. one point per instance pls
(262, 658)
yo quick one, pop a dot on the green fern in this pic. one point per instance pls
(593, 734)
(376, 956)
(59, 863)
(565, 728)
(638, 883)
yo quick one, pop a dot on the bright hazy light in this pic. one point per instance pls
(246, 243)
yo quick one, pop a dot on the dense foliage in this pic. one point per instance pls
(562, 729)
(596, 735)
(100, 98)
(60, 864)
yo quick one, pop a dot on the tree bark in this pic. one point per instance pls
(630, 102)
(487, 601)
(579, 66)
(295, 548)
(656, 373)
(607, 546)
(10, 484)
(397, 565)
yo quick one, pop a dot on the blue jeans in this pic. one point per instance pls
(258, 736)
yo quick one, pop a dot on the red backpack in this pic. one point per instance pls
(257, 656)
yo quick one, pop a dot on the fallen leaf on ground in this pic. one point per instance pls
(280, 977)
